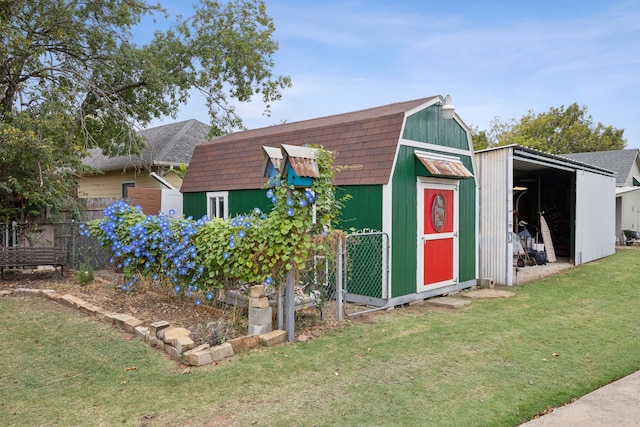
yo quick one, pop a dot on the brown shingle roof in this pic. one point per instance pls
(364, 143)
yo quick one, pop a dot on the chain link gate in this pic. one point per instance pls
(365, 272)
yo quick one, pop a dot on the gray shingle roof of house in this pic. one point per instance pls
(364, 143)
(618, 161)
(170, 144)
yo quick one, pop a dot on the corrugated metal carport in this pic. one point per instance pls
(517, 184)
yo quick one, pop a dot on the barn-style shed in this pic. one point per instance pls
(409, 171)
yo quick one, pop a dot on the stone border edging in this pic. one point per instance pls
(174, 341)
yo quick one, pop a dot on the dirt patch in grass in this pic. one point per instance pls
(152, 302)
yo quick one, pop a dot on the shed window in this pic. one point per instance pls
(218, 205)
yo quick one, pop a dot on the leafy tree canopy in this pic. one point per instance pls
(73, 78)
(557, 131)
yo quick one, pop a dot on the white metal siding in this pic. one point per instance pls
(595, 216)
(495, 172)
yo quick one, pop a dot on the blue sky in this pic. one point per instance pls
(496, 58)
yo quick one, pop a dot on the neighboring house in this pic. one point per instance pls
(167, 147)
(518, 184)
(409, 172)
(625, 165)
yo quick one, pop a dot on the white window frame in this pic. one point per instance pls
(218, 196)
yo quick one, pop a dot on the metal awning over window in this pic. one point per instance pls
(443, 165)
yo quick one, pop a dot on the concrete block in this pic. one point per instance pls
(221, 351)
(5, 293)
(273, 338)
(244, 343)
(260, 316)
(261, 302)
(259, 329)
(486, 282)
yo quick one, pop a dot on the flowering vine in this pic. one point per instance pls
(196, 257)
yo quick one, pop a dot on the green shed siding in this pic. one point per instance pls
(428, 126)
(194, 204)
(245, 201)
(240, 202)
(363, 210)
(404, 227)
(467, 226)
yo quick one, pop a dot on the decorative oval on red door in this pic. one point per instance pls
(438, 213)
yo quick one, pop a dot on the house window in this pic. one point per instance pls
(125, 188)
(217, 204)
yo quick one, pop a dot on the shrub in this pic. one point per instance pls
(84, 275)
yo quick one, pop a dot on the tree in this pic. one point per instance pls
(479, 138)
(72, 78)
(557, 131)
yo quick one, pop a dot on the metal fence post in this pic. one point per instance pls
(339, 294)
(291, 305)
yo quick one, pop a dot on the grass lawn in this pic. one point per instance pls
(493, 363)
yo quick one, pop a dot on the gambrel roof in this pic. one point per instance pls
(166, 145)
(364, 143)
(621, 162)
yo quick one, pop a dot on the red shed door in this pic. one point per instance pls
(438, 245)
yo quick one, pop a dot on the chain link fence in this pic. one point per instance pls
(365, 272)
(63, 236)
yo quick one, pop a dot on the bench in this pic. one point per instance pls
(31, 257)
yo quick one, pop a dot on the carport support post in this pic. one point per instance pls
(291, 305)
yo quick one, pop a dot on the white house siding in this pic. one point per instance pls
(495, 182)
(595, 216)
(629, 209)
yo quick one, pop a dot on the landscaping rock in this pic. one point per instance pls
(256, 291)
(245, 343)
(142, 332)
(172, 352)
(273, 338)
(183, 343)
(131, 323)
(155, 327)
(201, 347)
(261, 302)
(221, 351)
(170, 334)
(71, 301)
(199, 358)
